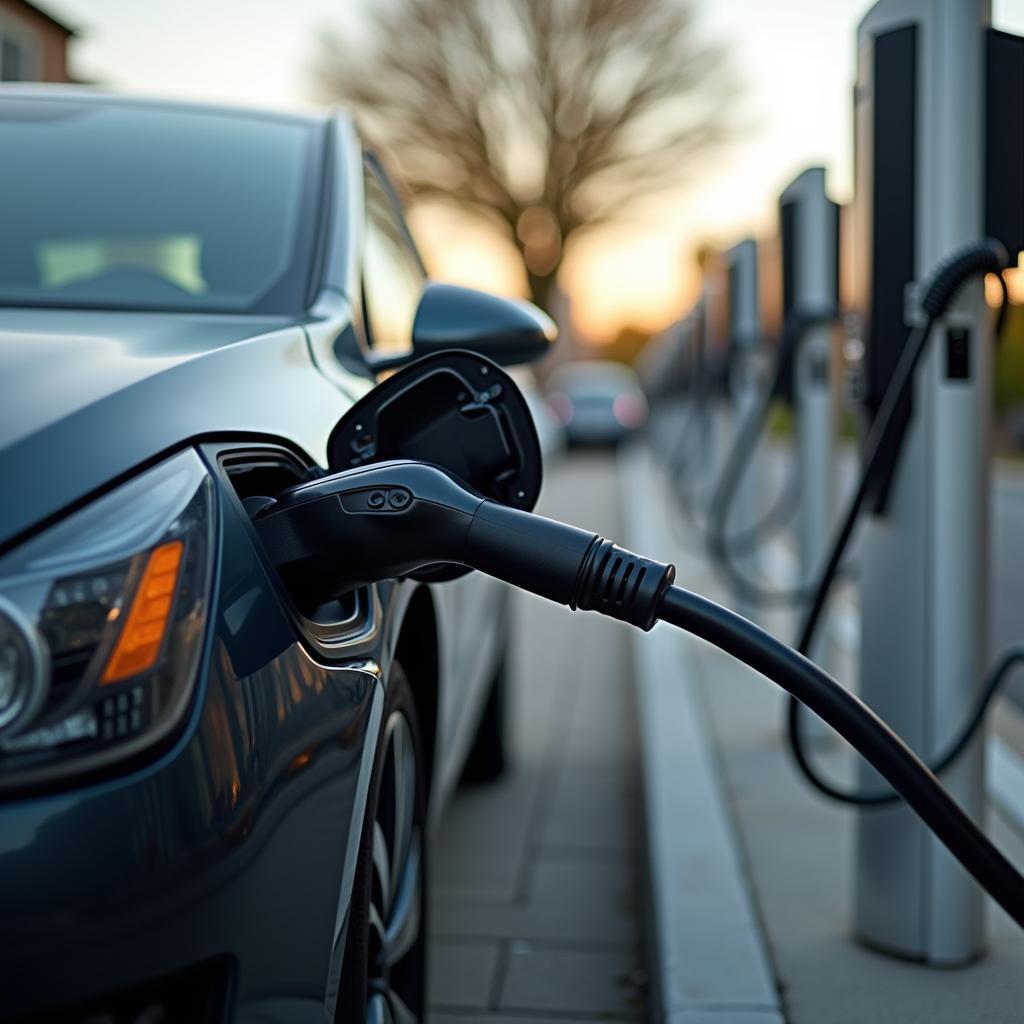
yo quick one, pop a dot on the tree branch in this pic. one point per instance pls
(580, 107)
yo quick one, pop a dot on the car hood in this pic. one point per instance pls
(89, 395)
(54, 362)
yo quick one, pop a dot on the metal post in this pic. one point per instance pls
(708, 399)
(810, 289)
(923, 579)
(744, 311)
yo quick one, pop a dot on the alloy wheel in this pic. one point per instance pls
(395, 960)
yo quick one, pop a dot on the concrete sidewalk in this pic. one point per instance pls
(794, 851)
(537, 880)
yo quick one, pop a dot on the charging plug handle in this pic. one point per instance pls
(390, 519)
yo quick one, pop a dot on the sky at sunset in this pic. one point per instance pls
(794, 57)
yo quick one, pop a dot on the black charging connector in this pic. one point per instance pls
(392, 518)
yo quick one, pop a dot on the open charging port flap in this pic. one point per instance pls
(457, 410)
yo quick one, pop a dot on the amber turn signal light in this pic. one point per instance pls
(139, 644)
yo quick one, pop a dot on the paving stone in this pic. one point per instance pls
(575, 900)
(534, 879)
(462, 974)
(483, 844)
(570, 981)
(501, 1018)
(594, 805)
(725, 1016)
(593, 898)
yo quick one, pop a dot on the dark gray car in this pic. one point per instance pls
(215, 799)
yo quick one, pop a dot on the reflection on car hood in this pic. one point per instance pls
(87, 396)
(54, 362)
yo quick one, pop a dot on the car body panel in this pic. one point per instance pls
(205, 375)
(225, 843)
(471, 649)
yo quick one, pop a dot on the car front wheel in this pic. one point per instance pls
(384, 968)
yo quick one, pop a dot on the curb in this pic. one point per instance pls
(709, 956)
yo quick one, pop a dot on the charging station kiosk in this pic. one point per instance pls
(924, 186)
(685, 383)
(809, 233)
(666, 375)
(745, 371)
(704, 395)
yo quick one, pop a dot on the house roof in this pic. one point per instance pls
(36, 10)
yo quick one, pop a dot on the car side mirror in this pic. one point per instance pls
(506, 331)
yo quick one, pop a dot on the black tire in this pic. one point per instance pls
(488, 757)
(368, 989)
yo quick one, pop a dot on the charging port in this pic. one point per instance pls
(258, 476)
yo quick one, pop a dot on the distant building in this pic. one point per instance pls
(33, 45)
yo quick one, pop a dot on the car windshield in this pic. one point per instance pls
(131, 206)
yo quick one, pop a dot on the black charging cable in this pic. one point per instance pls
(1012, 658)
(723, 548)
(971, 260)
(390, 519)
(693, 438)
(863, 730)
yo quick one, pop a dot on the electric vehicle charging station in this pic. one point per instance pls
(671, 380)
(706, 357)
(745, 380)
(809, 230)
(920, 174)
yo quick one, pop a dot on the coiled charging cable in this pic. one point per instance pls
(987, 257)
(724, 548)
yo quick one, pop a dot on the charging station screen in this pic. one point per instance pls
(885, 221)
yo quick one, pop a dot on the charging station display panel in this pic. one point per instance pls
(742, 305)
(885, 171)
(733, 285)
(1004, 139)
(732, 292)
(717, 326)
(787, 233)
(788, 244)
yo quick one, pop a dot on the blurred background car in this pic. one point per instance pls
(597, 402)
(549, 429)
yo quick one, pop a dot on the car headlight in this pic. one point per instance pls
(101, 624)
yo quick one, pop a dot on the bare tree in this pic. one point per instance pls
(545, 117)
